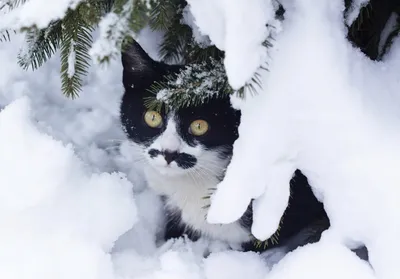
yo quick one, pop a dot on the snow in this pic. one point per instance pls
(188, 19)
(333, 262)
(71, 60)
(389, 28)
(111, 29)
(36, 12)
(58, 219)
(354, 11)
(227, 25)
(329, 111)
(74, 206)
(71, 205)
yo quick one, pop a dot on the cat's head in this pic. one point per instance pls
(195, 140)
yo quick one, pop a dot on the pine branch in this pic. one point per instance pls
(175, 43)
(178, 45)
(273, 240)
(142, 13)
(162, 14)
(118, 26)
(197, 83)
(76, 41)
(194, 85)
(41, 45)
(15, 3)
(395, 32)
(197, 54)
(5, 36)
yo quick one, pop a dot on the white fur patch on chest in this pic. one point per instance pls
(187, 194)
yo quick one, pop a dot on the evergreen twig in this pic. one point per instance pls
(16, 3)
(76, 41)
(118, 27)
(393, 34)
(5, 36)
(162, 14)
(41, 45)
(194, 85)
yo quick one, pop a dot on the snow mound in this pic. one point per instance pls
(58, 219)
(321, 260)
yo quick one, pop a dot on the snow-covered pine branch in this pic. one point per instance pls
(22, 15)
(114, 27)
(239, 30)
(329, 115)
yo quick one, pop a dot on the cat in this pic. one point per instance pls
(185, 153)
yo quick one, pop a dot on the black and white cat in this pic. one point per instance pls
(185, 154)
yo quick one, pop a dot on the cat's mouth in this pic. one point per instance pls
(171, 162)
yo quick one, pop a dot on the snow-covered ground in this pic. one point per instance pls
(74, 205)
(67, 195)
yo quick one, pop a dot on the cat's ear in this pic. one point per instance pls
(140, 70)
(136, 61)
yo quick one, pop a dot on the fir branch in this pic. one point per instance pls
(393, 34)
(162, 14)
(5, 36)
(41, 45)
(118, 27)
(15, 3)
(4, 4)
(193, 85)
(76, 37)
(273, 240)
(197, 54)
(142, 13)
(197, 83)
(175, 42)
(167, 16)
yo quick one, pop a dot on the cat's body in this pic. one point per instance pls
(185, 154)
(186, 209)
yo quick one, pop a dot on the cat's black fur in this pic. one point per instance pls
(140, 71)
(225, 120)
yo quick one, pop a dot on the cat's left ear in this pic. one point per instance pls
(136, 61)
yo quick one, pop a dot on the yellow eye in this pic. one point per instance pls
(198, 127)
(153, 119)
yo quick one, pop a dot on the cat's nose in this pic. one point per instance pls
(170, 156)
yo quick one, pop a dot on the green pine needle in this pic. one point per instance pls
(41, 45)
(162, 14)
(15, 3)
(76, 38)
(393, 34)
(194, 85)
(5, 36)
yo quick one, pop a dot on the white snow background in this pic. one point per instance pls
(72, 206)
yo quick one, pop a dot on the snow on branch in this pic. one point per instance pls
(114, 27)
(333, 114)
(238, 28)
(354, 11)
(28, 14)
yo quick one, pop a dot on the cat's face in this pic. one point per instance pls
(195, 140)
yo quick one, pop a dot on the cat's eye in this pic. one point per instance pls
(198, 127)
(153, 119)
